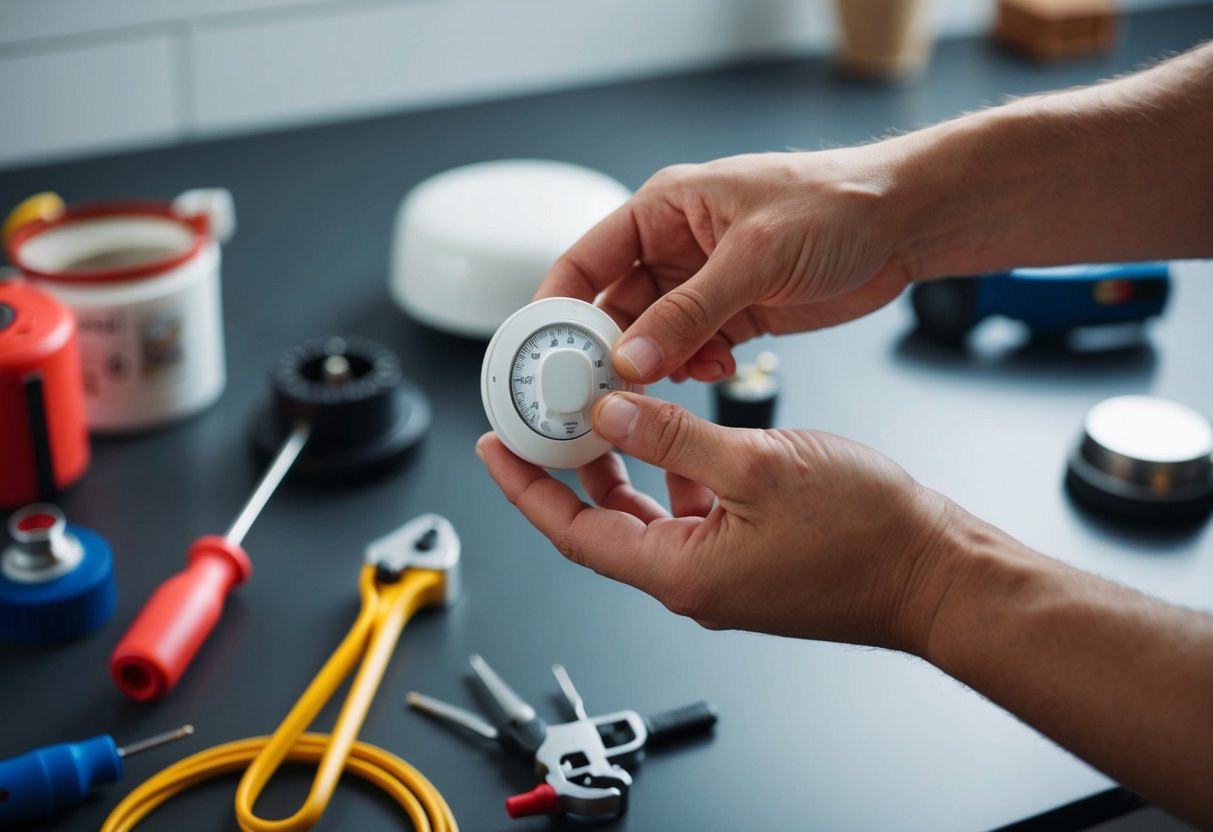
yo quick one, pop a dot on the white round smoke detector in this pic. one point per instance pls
(544, 370)
(471, 244)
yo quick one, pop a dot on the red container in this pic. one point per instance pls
(43, 433)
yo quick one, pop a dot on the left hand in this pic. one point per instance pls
(792, 532)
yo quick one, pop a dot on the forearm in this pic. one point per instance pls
(1120, 171)
(1123, 681)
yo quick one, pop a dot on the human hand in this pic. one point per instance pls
(792, 532)
(707, 256)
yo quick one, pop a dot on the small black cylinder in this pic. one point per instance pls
(747, 400)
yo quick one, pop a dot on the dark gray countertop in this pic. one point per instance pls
(811, 735)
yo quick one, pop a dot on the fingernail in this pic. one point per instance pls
(616, 418)
(715, 370)
(479, 450)
(642, 353)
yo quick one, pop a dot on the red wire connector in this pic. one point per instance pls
(541, 800)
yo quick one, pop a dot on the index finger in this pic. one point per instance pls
(598, 259)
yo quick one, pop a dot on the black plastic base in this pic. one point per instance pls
(1094, 489)
(372, 455)
(733, 412)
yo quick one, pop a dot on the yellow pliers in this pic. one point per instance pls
(413, 567)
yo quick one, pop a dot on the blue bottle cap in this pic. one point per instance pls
(56, 579)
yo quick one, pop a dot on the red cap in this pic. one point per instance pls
(541, 800)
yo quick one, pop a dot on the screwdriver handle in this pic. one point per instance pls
(679, 723)
(178, 617)
(43, 781)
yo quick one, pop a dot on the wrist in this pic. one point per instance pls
(957, 568)
(1113, 172)
(979, 568)
(931, 562)
(960, 189)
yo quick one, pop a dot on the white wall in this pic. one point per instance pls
(79, 77)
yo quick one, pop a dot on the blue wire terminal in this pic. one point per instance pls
(55, 777)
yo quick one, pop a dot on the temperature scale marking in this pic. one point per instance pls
(528, 395)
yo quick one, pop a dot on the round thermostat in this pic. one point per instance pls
(1144, 458)
(544, 369)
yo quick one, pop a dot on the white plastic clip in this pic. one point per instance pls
(216, 203)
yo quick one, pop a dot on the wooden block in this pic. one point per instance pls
(1052, 29)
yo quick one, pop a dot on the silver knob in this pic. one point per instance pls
(1144, 458)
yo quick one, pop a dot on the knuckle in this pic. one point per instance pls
(570, 546)
(682, 604)
(672, 431)
(518, 497)
(670, 176)
(796, 447)
(684, 311)
(760, 234)
(765, 461)
(711, 623)
(757, 465)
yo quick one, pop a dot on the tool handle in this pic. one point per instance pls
(178, 617)
(1059, 298)
(679, 723)
(541, 800)
(43, 781)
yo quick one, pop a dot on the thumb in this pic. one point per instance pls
(668, 436)
(677, 324)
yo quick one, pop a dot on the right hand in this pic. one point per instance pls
(707, 256)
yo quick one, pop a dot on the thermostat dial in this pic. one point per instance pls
(544, 370)
(557, 376)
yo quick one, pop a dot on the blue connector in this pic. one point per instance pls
(56, 579)
(55, 777)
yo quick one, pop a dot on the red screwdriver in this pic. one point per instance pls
(346, 400)
(182, 612)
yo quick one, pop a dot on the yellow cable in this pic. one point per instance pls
(386, 608)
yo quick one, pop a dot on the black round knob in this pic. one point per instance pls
(362, 413)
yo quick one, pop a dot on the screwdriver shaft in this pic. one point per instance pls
(513, 706)
(269, 481)
(570, 692)
(452, 713)
(156, 741)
